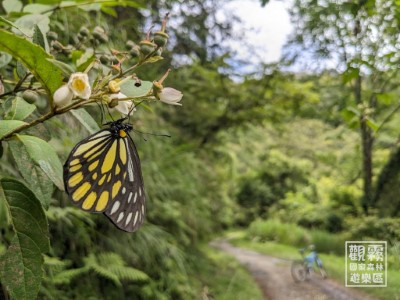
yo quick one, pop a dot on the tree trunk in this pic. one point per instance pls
(366, 144)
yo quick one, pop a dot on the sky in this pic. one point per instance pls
(264, 30)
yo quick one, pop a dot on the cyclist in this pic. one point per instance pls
(312, 258)
(301, 269)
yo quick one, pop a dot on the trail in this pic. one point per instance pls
(273, 276)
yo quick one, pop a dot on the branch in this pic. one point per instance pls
(62, 110)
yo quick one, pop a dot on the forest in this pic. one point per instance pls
(271, 157)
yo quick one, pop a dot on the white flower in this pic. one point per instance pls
(170, 96)
(79, 85)
(63, 96)
(124, 107)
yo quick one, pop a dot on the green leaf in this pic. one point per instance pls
(109, 11)
(153, 59)
(38, 37)
(37, 8)
(45, 157)
(21, 267)
(372, 124)
(20, 109)
(85, 119)
(21, 71)
(66, 69)
(385, 98)
(350, 74)
(12, 6)
(4, 217)
(6, 126)
(86, 61)
(129, 3)
(27, 24)
(37, 180)
(5, 59)
(34, 58)
(130, 90)
(7, 22)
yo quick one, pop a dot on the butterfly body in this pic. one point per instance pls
(103, 175)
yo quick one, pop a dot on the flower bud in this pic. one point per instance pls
(114, 86)
(104, 59)
(84, 31)
(100, 35)
(81, 37)
(146, 47)
(135, 51)
(157, 87)
(67, 49)
(30, 96)
(57, 45)
(129, 44)
(52, 36)
(124, 107)
(62, 96)
(115, 60)
(113, 103)
(158, 52)
(160, 38)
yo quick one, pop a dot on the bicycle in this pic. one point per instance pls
(301, 269)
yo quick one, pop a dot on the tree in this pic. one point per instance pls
(360, 38)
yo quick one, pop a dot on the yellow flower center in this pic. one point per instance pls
(78, 84)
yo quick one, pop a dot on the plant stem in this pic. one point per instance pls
(63, 110)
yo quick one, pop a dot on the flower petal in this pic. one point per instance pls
(124, 107)
(79, 85)
(62, 96)
(170, 96)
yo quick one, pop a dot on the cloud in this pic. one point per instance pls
(262, 31)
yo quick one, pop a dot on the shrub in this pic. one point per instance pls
(274, 230)
(327, 242)
(375, 228)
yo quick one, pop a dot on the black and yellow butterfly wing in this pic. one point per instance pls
(103, 175)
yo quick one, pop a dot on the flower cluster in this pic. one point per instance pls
(107, 90)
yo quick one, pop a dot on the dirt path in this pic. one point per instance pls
(273, 276)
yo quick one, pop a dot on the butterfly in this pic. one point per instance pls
(103, 175)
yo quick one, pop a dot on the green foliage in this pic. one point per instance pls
(375, 228)
(107, 265)
(274, 230)
(43, 155)
(34, 58)
(7, 126)
(21, 266)
(294, 235)
(327, 242)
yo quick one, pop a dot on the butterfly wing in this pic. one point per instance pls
(128, 209)
(103, 174)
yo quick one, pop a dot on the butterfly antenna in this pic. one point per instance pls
(102, 113)
(154, 134)
(109, 113)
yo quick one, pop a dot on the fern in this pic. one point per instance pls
(111, 266)
(66, 276)
(128, 273)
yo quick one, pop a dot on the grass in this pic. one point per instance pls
(292, 234)
(334, 264)
(223, 278)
